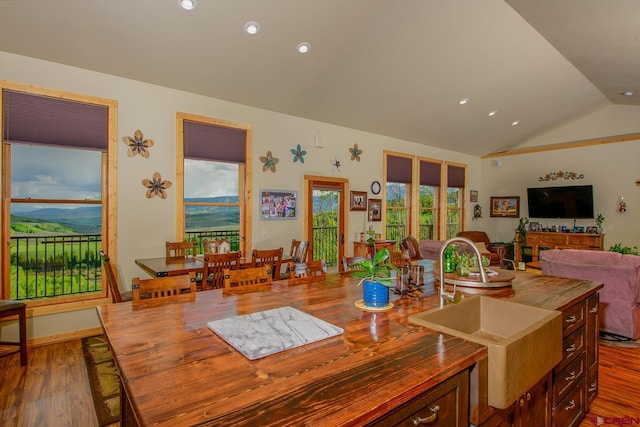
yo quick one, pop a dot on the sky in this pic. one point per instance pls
(40, 172)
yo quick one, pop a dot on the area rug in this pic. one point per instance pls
(613, 340)
(104, 379)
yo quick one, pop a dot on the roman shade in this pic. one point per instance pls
(455, 176)
(430, 173)
(399, 169)
(38, 119)
(210, 142)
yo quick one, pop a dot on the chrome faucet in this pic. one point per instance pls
(450, 296)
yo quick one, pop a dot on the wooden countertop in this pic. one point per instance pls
(177, 372)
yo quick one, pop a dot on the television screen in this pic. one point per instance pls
(573, 202)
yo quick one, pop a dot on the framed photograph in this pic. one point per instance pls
(278, 204)
(505, 207)
(473, 196)
(535, 226)
(358, 201)
(374, 209)
(592, 230)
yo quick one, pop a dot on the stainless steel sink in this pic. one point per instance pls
(524, 342)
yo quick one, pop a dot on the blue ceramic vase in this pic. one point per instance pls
(375, 294)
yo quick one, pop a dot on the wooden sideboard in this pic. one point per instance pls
(541, 240)
(364, 248)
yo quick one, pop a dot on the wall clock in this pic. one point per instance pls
(375, 187)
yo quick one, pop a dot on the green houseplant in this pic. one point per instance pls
(521, 235)
(375, 277)
(599, 221)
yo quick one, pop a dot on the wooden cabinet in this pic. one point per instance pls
(536, 241)
(364, 248)
(575, 378)
(447, 404)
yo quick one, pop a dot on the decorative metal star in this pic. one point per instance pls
(336, 164)
(137, 144)
(269, 161)
(355, 152)
(156, 186)
(298, 154)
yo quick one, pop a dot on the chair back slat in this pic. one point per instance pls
(247, 276)
(162, 287)
(112, 281)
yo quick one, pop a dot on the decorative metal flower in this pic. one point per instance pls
(156, 186)
(298, 154)
(137, 144)
(269, 161)
(336, 164)
(355, 152)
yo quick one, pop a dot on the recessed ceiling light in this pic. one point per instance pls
(252, 27)
(463, 101)
(303, 47)
(627, 93)
(188, 4)
(515, 123)
(492, 113)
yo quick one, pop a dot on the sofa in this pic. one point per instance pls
(620, 296)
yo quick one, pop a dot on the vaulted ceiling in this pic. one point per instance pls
(395, 68)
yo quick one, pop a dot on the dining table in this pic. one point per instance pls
(176, 371)
(175, 266)
(171, 266)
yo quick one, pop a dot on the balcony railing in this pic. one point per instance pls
(325, 245)
(232, 236)
(53, 266)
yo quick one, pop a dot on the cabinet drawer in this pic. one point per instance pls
(573, 346)
(553, 240)
(567, 378)
(585, 240)
(573, 318)
(570, 410)
(447, 404)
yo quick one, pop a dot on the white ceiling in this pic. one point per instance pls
(396, 68)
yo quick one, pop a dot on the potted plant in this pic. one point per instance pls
(375, 276)
(521, 235)
(599, 222)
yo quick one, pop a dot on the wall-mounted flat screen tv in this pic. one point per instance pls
(573, 201)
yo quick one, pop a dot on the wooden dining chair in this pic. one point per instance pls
(117, 295)
(298, 251)
(161, 287)
(271, 257)
(247, 276)
(216, 246)
(348, 261)
(10, 308)
(214, 266)
(177, 249)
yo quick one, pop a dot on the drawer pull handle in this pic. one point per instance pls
(571, 348)
(570, 406)
(593, 310)
(431, 418)
(571, 376)
(592, 387)
(571, 319)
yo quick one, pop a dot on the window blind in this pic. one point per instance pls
(399, 169)
(204, 141)
(455, 176)
(430, 173)
(38, 119)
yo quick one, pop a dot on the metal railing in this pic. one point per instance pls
(53, 266)
(325, 245)
(232, 236)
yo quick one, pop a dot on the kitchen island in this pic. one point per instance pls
(177, 372)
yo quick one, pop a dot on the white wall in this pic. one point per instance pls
(612, 169)
(145, 224)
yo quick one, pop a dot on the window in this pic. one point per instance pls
(398, 196)
(429, 199)
(455, 199)
(58, 217)
(215, 183)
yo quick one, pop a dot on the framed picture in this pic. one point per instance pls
(374, 209)
(592, 230)
(278, 204)
(473, 196)
(535, 226)
(358, 201)
(505, 207)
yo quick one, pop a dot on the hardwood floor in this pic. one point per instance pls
(53, 390)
